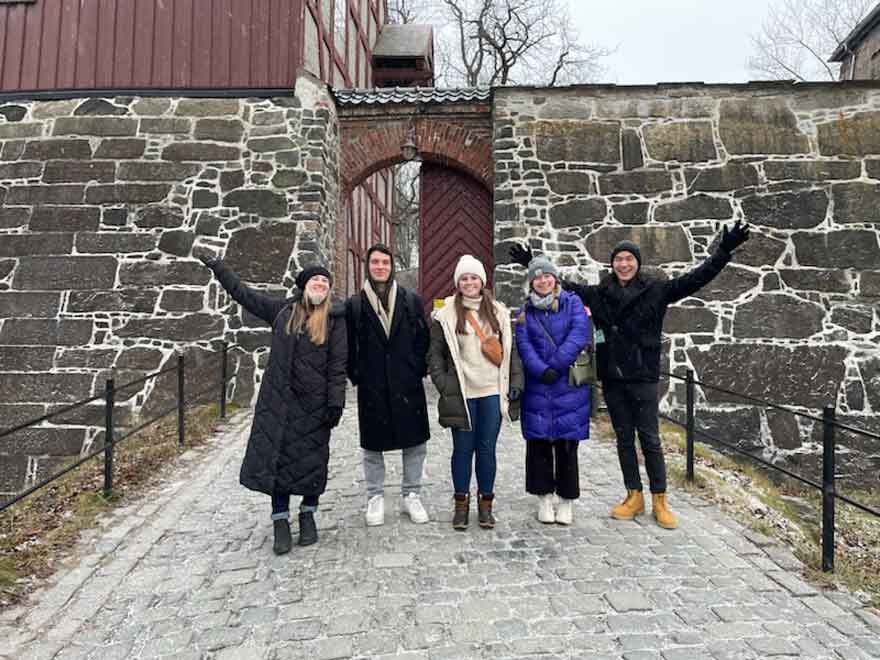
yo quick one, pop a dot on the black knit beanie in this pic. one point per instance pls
(627, 246)
(308, 273)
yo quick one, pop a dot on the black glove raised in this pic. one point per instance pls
(733, 238)
(521, 254)
(209, 260)
(549, 376)
(332, 416)
(514, 394)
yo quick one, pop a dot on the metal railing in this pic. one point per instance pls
(829, 447)
(110, 439)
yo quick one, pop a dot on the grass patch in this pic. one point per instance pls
(784, 510)
(38, 533)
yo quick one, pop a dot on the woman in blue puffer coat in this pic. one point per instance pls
(552, 328)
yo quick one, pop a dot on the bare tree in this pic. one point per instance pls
(405, 214)
(798, 36)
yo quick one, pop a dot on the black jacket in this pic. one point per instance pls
(388, 371)
(631, 317)
(289, 445)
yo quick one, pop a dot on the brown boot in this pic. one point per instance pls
(660, 508)
(633, 505)
(462, 509)
(487, 520)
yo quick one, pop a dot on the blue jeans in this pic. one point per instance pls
(281, 505)
(485, 415)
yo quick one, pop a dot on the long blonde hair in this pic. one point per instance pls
(313, 316)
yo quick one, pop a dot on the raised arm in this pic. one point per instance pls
(261, 305)
(522, 255)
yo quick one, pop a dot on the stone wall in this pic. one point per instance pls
(103, 205)
(794, 318)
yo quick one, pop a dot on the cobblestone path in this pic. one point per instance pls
(189, 573)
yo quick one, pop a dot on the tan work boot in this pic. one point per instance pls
(660, 508)
(633, 505)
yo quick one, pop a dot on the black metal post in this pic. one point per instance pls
(224, 351)
(109, 396)
(181, 402)
(690, 425)
(828, 489)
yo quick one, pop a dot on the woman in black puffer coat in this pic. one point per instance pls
(301, 397)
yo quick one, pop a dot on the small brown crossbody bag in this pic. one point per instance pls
(490, 346)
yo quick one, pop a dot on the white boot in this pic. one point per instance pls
(565, 511)
(376, 511)
(412, 505)
(545, 508)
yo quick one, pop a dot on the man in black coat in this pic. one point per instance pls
(387, 348)
(628, 309)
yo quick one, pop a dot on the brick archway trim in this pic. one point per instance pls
(368, 147)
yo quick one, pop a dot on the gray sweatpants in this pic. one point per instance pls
(413, 460)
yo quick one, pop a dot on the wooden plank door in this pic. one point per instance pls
(456, 219)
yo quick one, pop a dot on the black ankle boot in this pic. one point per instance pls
(462, 506)
(487, 520)
(282, 537)
(308, 533)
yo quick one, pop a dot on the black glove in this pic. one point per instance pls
(514, 394)
(732, 239)
(209, 260)
(549, 376)
(332, 416)
(521, 254)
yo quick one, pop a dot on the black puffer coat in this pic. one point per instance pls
(631, 317)
(388, 372)
(289, 445)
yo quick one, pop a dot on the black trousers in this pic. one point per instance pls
(552, 467)
(634, 407)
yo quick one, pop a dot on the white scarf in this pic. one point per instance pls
(385, 317)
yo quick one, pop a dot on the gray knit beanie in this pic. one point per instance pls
(541, 266)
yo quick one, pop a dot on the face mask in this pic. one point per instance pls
(316, 298)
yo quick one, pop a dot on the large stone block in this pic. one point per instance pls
(12, 217)
(86, 358)
(53, 441)
(729, 177)
(200, 151)
(26, 358)
(61, 273)
(730, 284)
(578, 141)
(121, 148)
(29, 304)
(166, 126)
(695, 207)
(38, 195)
(23, 245)
(65, 218)
(177, 242)
(778, 315)
(39, 387)
(220, 130)
(285, 178)
(76, 171)
(114, 242)
(131, 193)
(19, 413)
(760, 126)
(50, 149)
(740, 427)
(784, 429)
(855, 318)
(140, 301)
(230, 180)
(155, 170)
(759, 250)
(178, 300)
(140, 358)
(6, 267)
(852, 248)
(858, 135)
(159, 216)
(100, 126)
(869, 284)
(788, 210)
(658, 244)
(688, 141)
(578, 213)
(20, 170)
(15, 130)
(812, 170)
(635, 213)
(685, 107)
(807, 376)
(808, 279)
(856, 202)
(631, 146)
(261, 254)
(870, 371)
(270, 144)
(643, 182)
(207, 107)
(152, 273)
(685, 320)
(569, 182)
(46, 332)
(193, 327)
(265, 203)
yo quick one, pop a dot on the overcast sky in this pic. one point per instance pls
(672, 40)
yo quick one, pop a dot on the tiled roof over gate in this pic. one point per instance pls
(405, 95)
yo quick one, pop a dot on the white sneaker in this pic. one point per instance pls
(545, 508)
(376, 511)
(565, 511)
(413, 507)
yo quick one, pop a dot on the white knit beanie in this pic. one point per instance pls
(469, 264)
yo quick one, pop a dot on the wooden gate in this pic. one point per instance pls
(456, 219)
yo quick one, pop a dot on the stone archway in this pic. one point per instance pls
(452, 130)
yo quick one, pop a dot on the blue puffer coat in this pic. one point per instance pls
(558, 411)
